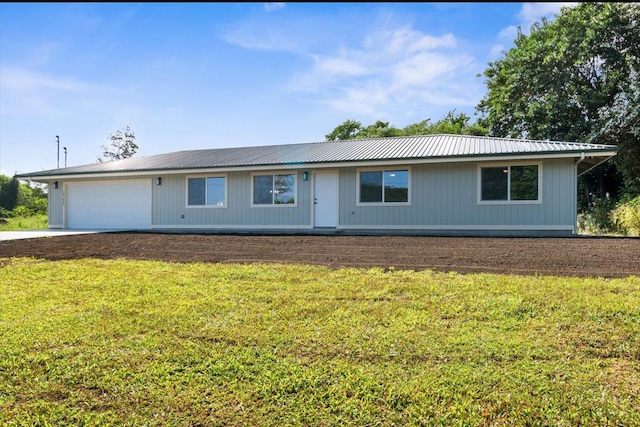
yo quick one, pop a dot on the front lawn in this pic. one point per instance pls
(97, 342)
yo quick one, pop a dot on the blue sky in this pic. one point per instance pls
(213, 75)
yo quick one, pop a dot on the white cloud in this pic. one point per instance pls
(532, 12)
(424, 68)
(247, 37)
(407, 41)
(386, 73)
(496, 50)
(508, 33)
(528, 15)
(338, 66)
(25, 90)
(372, 98)
(20, 80)
(270, 7)
(390, 73)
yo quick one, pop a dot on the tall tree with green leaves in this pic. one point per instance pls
(451, 123)
(349, 129)
(574, 79)
(9, 190)
(122, 146)
(379, 129)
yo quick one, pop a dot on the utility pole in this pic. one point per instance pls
(65, 156)
(58, 151)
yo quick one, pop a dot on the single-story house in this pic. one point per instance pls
(435, 184)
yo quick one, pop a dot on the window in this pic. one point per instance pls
(383, 186)
(207, 191)
(277, 189)
(510, 183)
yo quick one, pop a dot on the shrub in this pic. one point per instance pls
(626, 217)
(21, 212)
(38, 206)
(596, 220)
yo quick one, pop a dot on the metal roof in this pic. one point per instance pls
(358, 150)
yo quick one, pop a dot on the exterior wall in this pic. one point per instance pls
(445, 196)
(169, 206)
(56, 205)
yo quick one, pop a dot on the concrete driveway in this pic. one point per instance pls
(32, 234)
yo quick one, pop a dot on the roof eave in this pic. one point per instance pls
(604, 155)
(592, 162)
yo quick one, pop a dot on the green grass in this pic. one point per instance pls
(36, 222)
(97, 342)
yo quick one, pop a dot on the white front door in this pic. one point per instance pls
(325, 192)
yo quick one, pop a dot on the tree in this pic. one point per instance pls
(379, 129)
(122, 146)
(349, 129)
(452, 123)
(21, 199)
(621, 126)
(574, 79)
(9, 190)
(32, 198)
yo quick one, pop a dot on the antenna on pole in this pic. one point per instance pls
(65, 156)
(58, 151)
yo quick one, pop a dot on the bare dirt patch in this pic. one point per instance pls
(574, 256)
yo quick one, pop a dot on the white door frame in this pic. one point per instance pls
(336, 174)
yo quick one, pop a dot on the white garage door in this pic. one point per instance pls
(109, 205)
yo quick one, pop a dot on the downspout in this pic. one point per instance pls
(575, 194)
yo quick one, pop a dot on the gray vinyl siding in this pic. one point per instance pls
(169, 204)
(56, 205)
(445, 195)
(442, 196)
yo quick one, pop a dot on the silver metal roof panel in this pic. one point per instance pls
(359, 150)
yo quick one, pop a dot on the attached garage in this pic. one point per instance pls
(109, 205)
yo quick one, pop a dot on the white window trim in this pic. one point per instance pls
(508, 202)
(383, 170)
(274, 205)
(205, 206)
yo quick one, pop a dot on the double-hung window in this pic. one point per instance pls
(505, 183)
(274, 189)
(383, 186)
(208, 191)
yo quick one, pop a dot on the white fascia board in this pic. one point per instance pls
(355, 163)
